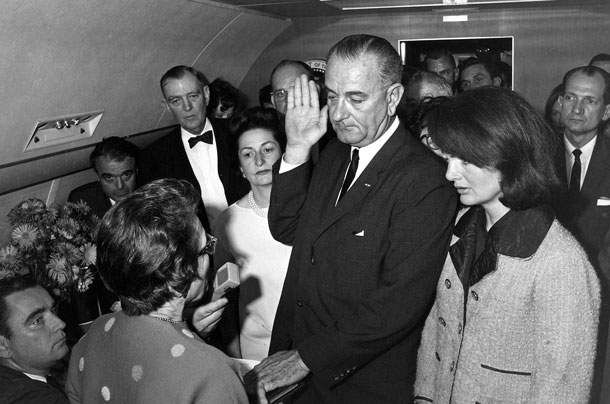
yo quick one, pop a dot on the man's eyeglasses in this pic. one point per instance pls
(210, 246)
(279, 95)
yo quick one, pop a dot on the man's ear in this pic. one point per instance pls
(5, 348)
(497, 81)
(606, 113)
(165, 104)
(393, 96)
(206, 93)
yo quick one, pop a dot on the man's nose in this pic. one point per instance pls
(187, 105)
(57, 323)
(120, 183)
(577, 107)
(339, 112)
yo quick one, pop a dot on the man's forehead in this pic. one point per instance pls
(441, 63)
(105, 163)
(474, 70)
(26, 302)
(286, 75)
(359, 71)
(186, 83)
(580, 82)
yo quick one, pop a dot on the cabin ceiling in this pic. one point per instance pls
(294, 9)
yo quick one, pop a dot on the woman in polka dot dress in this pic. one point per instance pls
(154, 254)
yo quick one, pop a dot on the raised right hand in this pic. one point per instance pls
(305, 122)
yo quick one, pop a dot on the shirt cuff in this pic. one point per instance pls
(285, 167)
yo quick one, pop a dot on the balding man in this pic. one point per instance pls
(370, 227)
(585, 208)
(423, 85)
(282, 77)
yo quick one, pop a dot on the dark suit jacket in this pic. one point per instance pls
(17, 388)
(590, 224)
(362, 275)
(588, 221)
(94, 196)
(166, 158)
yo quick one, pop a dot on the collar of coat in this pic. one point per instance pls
(516, 234)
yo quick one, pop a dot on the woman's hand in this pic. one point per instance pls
(206, 317)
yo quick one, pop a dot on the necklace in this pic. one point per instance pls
(167, 319)
(258, 210)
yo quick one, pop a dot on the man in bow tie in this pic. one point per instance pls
(197, 150)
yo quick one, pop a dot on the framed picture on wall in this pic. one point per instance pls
(498, 50)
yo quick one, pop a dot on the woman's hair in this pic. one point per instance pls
(553, 97)
(417, 121)
(493, 127)
(148, 245)
(254, 118)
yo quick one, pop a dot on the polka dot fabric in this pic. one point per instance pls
(140, 359)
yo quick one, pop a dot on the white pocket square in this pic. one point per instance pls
(603, 201)
(359, 233)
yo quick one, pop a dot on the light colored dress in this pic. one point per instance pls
(263, 263)
(143, 360)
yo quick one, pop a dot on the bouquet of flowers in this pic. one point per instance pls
(55, 244)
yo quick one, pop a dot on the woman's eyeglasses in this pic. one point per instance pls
(210, 246)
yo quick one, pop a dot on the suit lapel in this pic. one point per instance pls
(363, 184)
(598, 167)
(181, 163)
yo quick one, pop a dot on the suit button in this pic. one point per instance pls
(447, 283)
(474, 295)
(438, 357)
(299, 303)
(452, 366)
(459, 328)
(442, 321)
(312, 260)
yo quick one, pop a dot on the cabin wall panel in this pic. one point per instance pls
(73, 56)
(548, 41)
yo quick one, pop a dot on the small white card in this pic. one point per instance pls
(603, 201)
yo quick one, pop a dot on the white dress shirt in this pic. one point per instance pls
(203, 158)
(365, 154)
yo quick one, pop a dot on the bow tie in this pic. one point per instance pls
(206, 137)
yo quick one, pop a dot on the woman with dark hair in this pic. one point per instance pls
(552, 110)
(244, 236)
(516, 312)
(153, 253)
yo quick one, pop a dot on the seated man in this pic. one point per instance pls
(114, 161)
(32, 340)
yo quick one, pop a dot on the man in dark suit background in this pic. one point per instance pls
(585, 109)
(197, 150)
(114, 161)
(585, 207)
(366, 259)
(32, 341)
